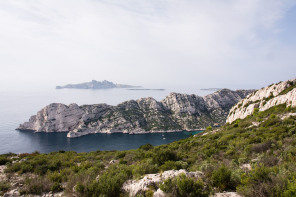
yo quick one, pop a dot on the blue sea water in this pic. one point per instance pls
(17, 106)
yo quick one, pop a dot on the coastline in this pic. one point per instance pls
(72, 134)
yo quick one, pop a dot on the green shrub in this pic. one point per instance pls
(169, 165)
(146, 147)
(256, 110)
(209, 128)
(36, 186)
(110, 182)
(55, 177)
(291, 188)
(80, 188)
(3, 160)
(163, 155)
(183, 186)
(120, 155)
(56, 187)
(144, 167)
(260, 182)
(272, 116)
(221, 178)
(4, 187)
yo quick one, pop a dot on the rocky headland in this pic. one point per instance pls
(265, 98)
(176, 112)
(96, 85)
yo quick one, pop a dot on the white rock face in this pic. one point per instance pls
(227, 194)
(264, 99)
(159, 193)
(135, 186)
(177, 112)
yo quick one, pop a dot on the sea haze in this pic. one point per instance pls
(17, 107)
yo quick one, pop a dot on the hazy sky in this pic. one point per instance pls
(154, 43)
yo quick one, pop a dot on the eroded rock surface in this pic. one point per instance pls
(265, 98)
(133, 187)
(176, 112)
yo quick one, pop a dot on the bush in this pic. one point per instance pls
(209, 128)
(56, 187)
(36, 186)
(272, 116)
(120, 155)
(291, 189)
(110, 182)
(261, 181)
(260, 148)
(161, 156)
(256, 110)
(183, 186)
(4, 187)
(146, 147)
(169, 165)
(144, 167)
(55, 177)
(3, 160)
(221, 178)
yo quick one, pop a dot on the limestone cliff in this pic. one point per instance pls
(176, 112)
(263, 99)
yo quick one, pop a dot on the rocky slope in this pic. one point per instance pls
(174, 113)
(265, 98)
(135, 187)
(96, 85)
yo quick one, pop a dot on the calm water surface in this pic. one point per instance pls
(17, 107)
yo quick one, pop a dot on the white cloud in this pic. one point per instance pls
(154, 43)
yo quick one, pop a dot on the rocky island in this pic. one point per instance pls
(96, 85)
(176, 112)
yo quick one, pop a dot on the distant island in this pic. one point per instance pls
(96, 85)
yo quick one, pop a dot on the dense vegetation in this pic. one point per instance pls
(264, 141)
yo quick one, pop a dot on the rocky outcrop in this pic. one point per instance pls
(226, 194)
(134, 187)
(176, 112)
(96, 85)
(265, 98)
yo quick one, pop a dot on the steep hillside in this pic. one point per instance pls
(176, 112)
(265, 98)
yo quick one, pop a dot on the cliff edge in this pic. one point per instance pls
(265, 98)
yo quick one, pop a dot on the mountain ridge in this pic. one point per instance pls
(176, 112)
(265, 98)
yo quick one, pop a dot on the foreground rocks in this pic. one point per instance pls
(265, 98)
(227, 194)
(176, 112)
(134, 187)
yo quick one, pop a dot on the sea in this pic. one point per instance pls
(16, 107)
